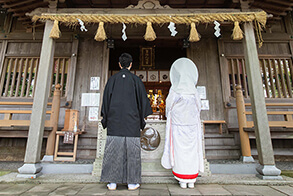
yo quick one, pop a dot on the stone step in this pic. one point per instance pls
(213, 141)
(217, 135)
(222, 152)
(277, 151)
(79, 147)
(232, 147)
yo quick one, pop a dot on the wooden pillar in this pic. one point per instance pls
(31, 167)
(54, 123)
(244, 138)
(2, 54)
(266, 169)
(101, 135)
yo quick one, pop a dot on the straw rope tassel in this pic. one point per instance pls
(101, 34)
(237, 32)
(150, 34)
(194, 36)
(55, 32)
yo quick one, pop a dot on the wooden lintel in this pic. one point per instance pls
(17, 4)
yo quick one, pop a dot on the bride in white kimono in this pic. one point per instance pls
(183, 144)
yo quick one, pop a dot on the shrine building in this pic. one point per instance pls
(57, 55)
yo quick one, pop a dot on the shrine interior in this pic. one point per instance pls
(155, 75)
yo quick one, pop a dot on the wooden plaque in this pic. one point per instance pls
(71, 119)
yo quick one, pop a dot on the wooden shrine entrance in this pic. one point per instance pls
(151, 62)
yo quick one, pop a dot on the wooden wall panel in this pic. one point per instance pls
(90, 63)
(275, 48)
(205, 55)
(231, 48)
(268, 48)
(34, 48)
(24, 48)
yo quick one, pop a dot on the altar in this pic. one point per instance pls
(152, 147)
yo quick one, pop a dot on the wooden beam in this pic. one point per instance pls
(286, 3)
(271, 6)
(69, 3)
(31, 6)
(26, 22)
(37, 25)
(17, 4)
(7, 1)
(23, 18)
(274, 12)
(19, 14)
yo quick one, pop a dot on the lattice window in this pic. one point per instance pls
(19, 76)
(276, 74)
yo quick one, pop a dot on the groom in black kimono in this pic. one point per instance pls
(125, 105)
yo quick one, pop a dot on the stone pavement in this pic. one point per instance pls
(146, 189)
(86, 184)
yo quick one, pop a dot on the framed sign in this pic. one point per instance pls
(147, 57)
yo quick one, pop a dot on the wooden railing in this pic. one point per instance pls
(15, 128)
(245, 125)
(276, 73)
(19, 76)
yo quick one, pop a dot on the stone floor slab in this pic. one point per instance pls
(284, 189)
(34, 194)
(16, 189)
(93, 189)
(67, 189)
(265, 190)
(212, 189)
(175, 189)
(240, 190)
(124, 191)
(153, 189)
(4, 186)
(44, 188)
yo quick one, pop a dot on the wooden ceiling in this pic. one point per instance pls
(18, 8)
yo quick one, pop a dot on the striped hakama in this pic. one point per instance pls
(122, 160)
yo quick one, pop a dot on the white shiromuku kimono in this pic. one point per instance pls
(183, 151)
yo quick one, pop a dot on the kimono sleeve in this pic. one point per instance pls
(106, 102)
(144, 105)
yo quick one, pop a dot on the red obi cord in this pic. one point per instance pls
(185, 176)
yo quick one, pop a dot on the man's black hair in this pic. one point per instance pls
(125, 59)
